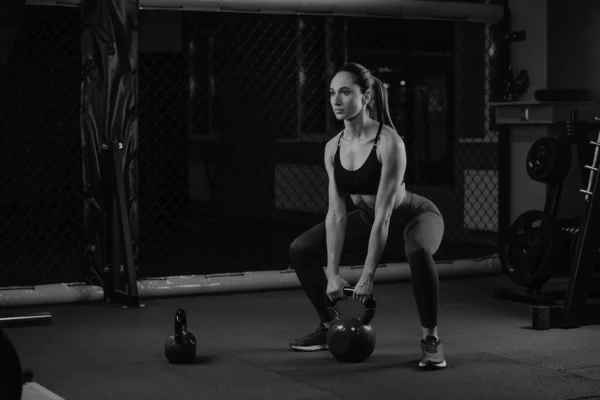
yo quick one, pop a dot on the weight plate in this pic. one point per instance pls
(532, 248)
(542, 157)
(549, 160)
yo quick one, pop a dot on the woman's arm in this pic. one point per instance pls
(393, 160)
(335, 221)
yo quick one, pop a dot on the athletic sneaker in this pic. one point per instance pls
(433, 353)
(314, 341)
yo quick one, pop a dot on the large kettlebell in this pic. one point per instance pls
(180, 348)
(351, 339)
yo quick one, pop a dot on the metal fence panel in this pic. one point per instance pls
(235, 126)
(234, 116)
(41, 187)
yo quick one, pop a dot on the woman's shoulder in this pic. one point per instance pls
(390, 136)
(332, 142)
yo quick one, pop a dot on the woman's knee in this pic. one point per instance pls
(418, 253)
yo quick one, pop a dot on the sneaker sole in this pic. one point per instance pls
(310, 348)
(432, 365)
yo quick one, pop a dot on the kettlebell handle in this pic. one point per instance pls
(180, 325)
(370, 305)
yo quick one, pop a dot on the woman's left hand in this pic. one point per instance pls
(363, 289)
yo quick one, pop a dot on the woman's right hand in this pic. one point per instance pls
(335, 284)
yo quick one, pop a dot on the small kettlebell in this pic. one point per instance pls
(180, 348)
(351, 339)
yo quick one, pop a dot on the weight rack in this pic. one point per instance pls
(571, 307)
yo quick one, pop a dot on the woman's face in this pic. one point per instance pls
(345, 96)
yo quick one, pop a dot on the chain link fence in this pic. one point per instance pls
(40, 184)
(234, 115)
(235, 122)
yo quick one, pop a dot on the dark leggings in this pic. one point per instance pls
(421, 227)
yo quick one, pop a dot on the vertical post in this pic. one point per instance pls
(200, 47)
(109, 115)
(122, 234)
(301, 76)
(410, 89)
(345, 41)
(116, 234)
(504, 188)
(329, 67)
(192, 85)
(498, 63)
(212, 81)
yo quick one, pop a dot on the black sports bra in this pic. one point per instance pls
(364, 180)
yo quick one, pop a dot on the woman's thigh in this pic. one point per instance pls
(424, 231)
(313, 242)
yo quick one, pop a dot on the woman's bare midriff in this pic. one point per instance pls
(367, 202)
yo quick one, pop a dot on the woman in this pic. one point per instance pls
(367, 161)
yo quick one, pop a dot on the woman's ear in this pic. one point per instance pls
(368, 97)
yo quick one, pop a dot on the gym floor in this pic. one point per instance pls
(100, 351)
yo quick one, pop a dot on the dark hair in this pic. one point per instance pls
(378, 108)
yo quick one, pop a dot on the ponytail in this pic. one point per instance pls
(379, 107)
